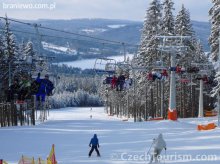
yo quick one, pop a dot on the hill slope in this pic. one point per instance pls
(118, 30)
(121, 142)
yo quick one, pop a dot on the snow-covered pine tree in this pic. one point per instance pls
(195, 54)
(29, 50)
(1, 61)
(21, 50)
(214, 13)
(199, 55)
(29, 56)
(183, 27)
(10, 51)
(168, 18)
(152, 27)
(148, 54)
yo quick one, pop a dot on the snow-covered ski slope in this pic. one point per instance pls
(121, 142)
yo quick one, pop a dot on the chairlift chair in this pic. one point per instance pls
(203, 72)
(193, 69)
(159, 66)
(124, 65)
(184, 79)
(105, 66)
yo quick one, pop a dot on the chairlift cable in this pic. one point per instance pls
(44, 35)
(67, 32)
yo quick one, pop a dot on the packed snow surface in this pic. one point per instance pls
(121, 142)
(89, 63)
(58, 49)
(116, 26)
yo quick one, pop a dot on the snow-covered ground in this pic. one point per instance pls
(116, 26)
(94, 30)
(58, 49)
(121, 142)
(89, 63)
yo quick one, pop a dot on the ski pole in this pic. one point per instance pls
(150, 148)
(165, 156)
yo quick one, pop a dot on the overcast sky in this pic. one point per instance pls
(112, 9)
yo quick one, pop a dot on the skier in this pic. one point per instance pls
(159, 144)
(13, 89)
(24, 88)
(94, 144)
(45, 88)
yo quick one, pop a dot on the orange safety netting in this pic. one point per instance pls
(206, 127)
(156, 119)
(26, 160)
(50, 160)
(211, 113)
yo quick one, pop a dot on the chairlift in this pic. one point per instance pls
(193, 69)
(123, 65)
(191, 84)
(107, 80)
(203, 72)
(184, 79)
(105, 66)
(159, 66)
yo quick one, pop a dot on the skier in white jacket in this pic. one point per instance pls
(159, 144)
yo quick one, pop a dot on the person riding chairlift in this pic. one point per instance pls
(164, 74)
(128, 82)
(120, 82)
(178, 69)
(114, 82)
(150, 76)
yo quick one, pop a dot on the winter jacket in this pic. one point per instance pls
(13, 89)
(159, 143)
(94, 141)
(121, 80)
(24, 84)
(114, 81)
(127, 83)
(46, 86)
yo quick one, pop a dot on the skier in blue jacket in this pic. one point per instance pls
(45, 87)
(94, 144)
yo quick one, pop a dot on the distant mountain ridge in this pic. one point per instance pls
(117, 30)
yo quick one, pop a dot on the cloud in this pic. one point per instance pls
(112, 9)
